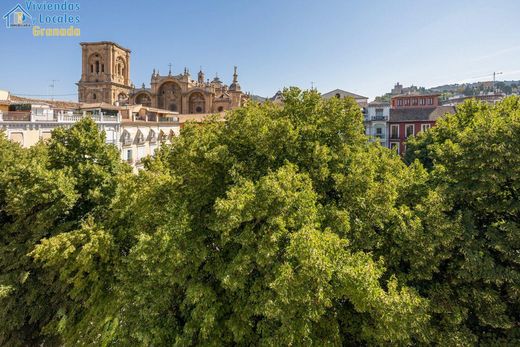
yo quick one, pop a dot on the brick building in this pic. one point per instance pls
(412, 113)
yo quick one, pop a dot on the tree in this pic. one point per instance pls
(50, 191)
(263, 238)
(474, 158)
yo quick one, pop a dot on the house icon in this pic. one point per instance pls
(17, 17)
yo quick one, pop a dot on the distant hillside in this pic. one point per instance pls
(475, 88)
(466, 89)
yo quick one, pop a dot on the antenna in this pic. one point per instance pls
(52, 85)
(312, 85)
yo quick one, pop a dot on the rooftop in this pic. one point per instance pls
(54, 103)
(105, 43)
(343, 93)
(419, 114)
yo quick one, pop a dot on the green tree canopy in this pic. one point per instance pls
(279, 226)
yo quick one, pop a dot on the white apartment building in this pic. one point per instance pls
(376, 119)
(137, 131)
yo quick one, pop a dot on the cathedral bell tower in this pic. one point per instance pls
(105, 75)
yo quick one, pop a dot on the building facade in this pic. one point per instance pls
(106, 78)
(411, 114)
(105, 73)
(376, 120)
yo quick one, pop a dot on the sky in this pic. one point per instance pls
(361, 46)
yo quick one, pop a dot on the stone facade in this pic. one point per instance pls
(180, 93)
(106, 78)
(105, 73)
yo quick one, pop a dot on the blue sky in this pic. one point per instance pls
(360, 46)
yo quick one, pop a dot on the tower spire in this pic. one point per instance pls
(235, 86)
(235, 75)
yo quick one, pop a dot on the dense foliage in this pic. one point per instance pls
(279, 226)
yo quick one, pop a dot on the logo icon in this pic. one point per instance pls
(17, 17)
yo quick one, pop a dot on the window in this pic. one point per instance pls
(129, 155)
(91, 68)
(338, 95)
(198, 109)
(379, 131)
(410, 130)
(399, 102)
(415, 101)
(379, 112)
(394, 131)
(430, 101)
(94, 96)
(141, 153)
(394, 146)
(220, 108)
(102, 67)
(17, 137)
(425, 127)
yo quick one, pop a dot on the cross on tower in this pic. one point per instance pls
(170, 65)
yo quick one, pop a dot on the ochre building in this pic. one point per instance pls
(106, 78)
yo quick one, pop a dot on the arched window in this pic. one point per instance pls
(169, 94)
(338, 95)
(220, 108)
(173, 107)
(91, 68)
(197, 103)
(94, 96)
(97, 66)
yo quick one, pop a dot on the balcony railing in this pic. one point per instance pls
(379, 118)
(75, 117)
(17, 116)
(394, 137)
(60, 117)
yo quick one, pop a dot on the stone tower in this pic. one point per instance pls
(105, 75)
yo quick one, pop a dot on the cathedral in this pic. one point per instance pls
(106, 78)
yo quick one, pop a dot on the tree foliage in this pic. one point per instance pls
(279, 226)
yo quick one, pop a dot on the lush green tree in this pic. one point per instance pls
(52, 190)
(474, 157)
(274, 228)
(279, 226)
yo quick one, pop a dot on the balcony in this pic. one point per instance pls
(16, 116)
(379, 118)
(75, 117)
(59, 117)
